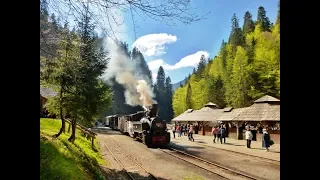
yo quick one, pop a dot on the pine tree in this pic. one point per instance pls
(160, 92)
(201, 67)
(236, 37)
(141, 66)
(65, 67)
(92, 96)
(189, 97)
(248, 25)
(263, 20)
(278, 15)
(44, 10)
(168, 92)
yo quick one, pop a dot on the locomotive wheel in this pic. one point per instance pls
(146, 139)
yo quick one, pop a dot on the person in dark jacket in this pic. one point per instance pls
(223, 134)
(219, 133)
(254, 133)
(265, 139)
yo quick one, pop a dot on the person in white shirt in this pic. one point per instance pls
(248, 137)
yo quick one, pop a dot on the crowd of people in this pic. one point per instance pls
(183, 130)
(219, 133)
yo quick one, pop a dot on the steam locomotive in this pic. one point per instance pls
(144, 126)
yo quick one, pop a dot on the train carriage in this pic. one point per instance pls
(143, 125)
(107, 122)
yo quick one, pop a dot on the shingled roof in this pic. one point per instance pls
(260, 112)
(266, 108)
(231, 114)
(266, 99)
(204, 114)
(47, 92)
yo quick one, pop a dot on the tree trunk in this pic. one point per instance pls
(73, 134)
(92, 143)
(62, 129)
(63, 124)
(69, 127)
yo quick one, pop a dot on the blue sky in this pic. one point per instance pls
(205, 35)
(178, 48)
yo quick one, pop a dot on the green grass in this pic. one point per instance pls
(60, 159)
(193, 178)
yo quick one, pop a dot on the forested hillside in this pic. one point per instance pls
(246, 67)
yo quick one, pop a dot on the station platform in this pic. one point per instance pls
(233, 145)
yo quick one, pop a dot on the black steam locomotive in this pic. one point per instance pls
(143, 125)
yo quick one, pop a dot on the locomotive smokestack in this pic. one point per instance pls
(154, 110)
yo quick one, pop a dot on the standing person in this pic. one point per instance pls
(223, 134)
(218, 133)
(186, 132)
(265, 139)
(190, 133)
(248, 137)
(187, 126)
(254, 133)
(215, 133)
(174, 131)
(182, 130)
(179, 130)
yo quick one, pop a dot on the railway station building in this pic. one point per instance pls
(264, 113)
(204, 119)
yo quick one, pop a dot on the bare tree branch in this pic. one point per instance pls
(166, 11)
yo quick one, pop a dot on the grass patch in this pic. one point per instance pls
(193, 178)
(68, 161)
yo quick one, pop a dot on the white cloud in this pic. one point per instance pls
(155, 64)
(191, 60)
(154, 44)
(154, 77)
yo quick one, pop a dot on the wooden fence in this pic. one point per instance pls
(86, 132)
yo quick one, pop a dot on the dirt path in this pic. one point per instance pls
(157, 163)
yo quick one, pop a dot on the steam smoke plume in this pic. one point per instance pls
(123, 69)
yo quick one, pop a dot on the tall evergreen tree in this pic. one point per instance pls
(263, 20)
(278, 15)
(248, 25)
(160, 92)
(201, 67)
(141, 66)
(236, 37)
(92, 94)
(168, 103)
(189, 97)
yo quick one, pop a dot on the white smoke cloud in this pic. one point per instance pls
(154, 44)
(123, 69)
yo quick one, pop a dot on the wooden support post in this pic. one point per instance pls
(203, 130)
(238, 129)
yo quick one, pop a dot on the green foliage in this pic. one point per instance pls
(163, 95)
(189, 97)
(75, 69)
(246, 68)
(60, 159)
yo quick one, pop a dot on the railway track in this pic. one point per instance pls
(131, 167)
(222, 171)
(273, 161)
